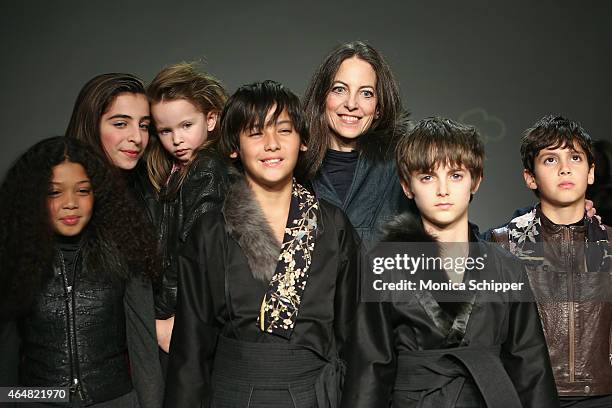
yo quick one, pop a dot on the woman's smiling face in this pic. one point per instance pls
(351, 104)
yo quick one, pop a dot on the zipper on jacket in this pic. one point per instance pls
(571, 322)
(610, 346)
(75, 372)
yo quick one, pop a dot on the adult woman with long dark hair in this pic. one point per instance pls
(355, 115)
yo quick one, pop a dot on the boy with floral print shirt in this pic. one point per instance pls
(568, 261)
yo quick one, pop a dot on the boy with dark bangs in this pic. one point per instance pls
(268, 283)
(471, 350)
(567, 255)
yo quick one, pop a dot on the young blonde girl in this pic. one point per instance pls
(183, 166)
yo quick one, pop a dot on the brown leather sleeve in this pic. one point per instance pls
(500, 236)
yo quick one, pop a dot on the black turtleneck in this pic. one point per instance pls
(69, 246)
(340, 168)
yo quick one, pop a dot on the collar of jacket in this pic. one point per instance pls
(551, 228)
(408, 227)
(246, 223)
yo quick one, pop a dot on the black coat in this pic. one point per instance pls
(386, 330)
(214, 267)
(203, 189)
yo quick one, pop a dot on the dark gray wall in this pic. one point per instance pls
(497, 65)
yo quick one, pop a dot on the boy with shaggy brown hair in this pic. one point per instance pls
(473, 348)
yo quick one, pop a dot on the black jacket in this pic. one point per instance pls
(214, 267)
(143, 191)
(92, 332)
(203, 190)
(508, 333)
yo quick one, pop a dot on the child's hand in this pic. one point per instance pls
(164, 333)
(590, 210)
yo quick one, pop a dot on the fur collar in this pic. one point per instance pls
(406, 227)
(379, 145)
(246, 223)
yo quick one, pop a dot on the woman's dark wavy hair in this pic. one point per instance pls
(389, 107)
(116, 241)
(248, 107)
(94, 99)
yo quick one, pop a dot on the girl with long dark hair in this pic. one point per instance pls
(111, 114)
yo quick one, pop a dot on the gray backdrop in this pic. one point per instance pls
(497, 65)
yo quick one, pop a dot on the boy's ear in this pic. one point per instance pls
(476, 184)
(406, 187)
(233, 155)
(211, 120)
(530, 180)
(591, 175)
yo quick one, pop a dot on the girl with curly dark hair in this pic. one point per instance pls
(76, 258)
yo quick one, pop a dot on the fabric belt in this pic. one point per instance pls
(448, 377)
(277, 366)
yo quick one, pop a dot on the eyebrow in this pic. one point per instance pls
(283, 122)
(554, 151)
(120, 116)
(78, 182)
(347, 85)
(123, 116)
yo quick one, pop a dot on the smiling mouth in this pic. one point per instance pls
(272, 162)
(131, 153)
(349, 119)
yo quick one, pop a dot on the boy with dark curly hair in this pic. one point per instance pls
(568, 261)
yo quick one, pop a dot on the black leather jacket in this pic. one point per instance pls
(75, 335)
(142, 189)
(203, 190)
(99, 332)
